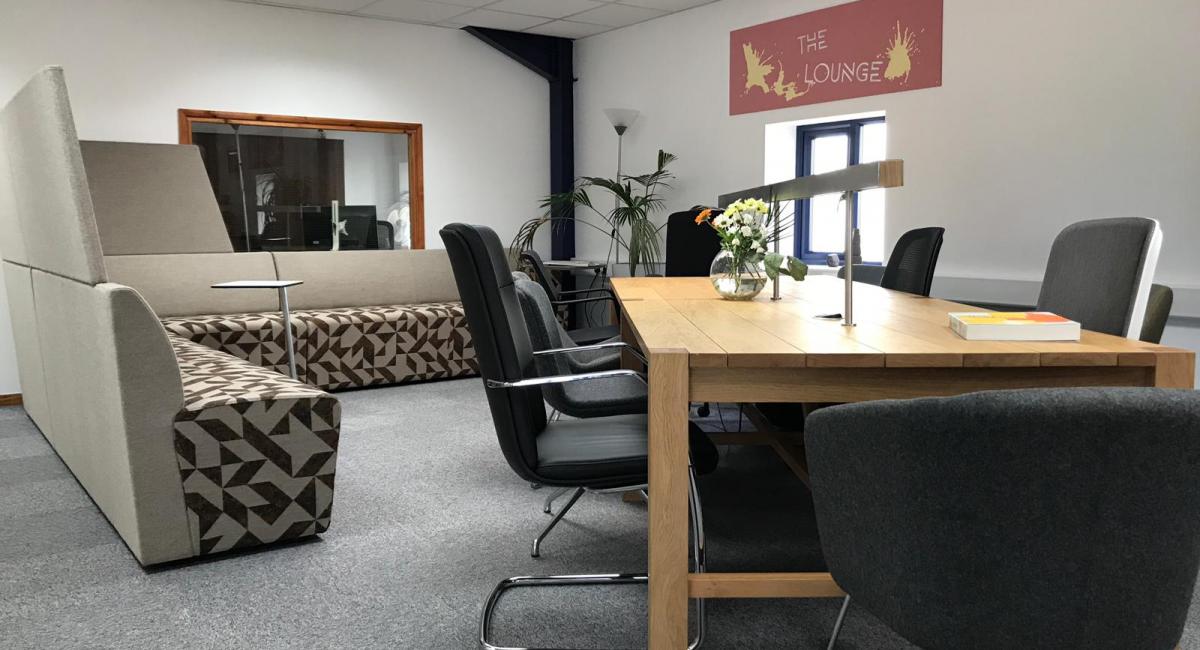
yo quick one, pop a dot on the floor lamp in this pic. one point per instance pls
(621, 119)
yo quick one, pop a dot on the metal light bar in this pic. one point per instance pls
(867, 176)
(856, 178)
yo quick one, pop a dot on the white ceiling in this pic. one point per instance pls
(566, 18)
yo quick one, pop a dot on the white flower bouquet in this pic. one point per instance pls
(747, 228)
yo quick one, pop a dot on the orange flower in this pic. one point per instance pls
(703, 216)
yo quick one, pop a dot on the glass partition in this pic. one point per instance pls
(295, 187)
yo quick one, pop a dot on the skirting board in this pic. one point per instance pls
(10, 400)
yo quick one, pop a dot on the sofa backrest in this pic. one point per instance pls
(153, 198)
(51, 208)
(97, 365)
(180, 284)
(366, 278)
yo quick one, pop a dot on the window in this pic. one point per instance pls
(281, 182)
(820, 148)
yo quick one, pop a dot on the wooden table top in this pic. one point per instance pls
(894, 330)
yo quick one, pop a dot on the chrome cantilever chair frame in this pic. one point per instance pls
(581, 580)
(548, 505)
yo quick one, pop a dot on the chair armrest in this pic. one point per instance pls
(580, 301)
(592, 290)
(598, 346)
(564, 379)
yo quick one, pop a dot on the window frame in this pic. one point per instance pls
(416, 146)
(805, 134)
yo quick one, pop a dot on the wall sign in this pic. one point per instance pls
(868, 47)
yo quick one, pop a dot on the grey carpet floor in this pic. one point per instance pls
(427, 518)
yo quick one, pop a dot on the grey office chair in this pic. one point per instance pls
(589, 358)
(572, 298)
(615, 396)
(1053, 519)
(1158, 311)
(607, 453)
(1099, 273)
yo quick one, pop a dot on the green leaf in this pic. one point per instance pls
(773, 261)
(797, 269)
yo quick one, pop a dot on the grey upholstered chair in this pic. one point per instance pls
(1158, 311)
(573, 298)
(1099, 273)
(1063, 518)
(589, 358)
(599, 398)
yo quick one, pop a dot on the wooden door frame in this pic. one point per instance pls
(416, 160)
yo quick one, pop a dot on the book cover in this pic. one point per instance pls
(1014, 326)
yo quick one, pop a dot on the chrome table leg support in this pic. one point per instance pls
(837, 626)
(697, 550)
(550, 498)
(537, 541)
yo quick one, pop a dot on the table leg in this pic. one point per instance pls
(287, 332)
(668, 469)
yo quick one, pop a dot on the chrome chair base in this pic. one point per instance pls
(837, 626)
(537, 541)
(698, 551)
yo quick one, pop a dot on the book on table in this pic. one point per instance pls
(1013, 326)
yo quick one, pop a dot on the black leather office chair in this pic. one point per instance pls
(606, 453)
(690, 247)
(1065, 518)
(571, 298)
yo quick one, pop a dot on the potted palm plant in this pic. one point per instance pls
(629, 223)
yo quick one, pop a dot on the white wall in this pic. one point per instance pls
(131, 64)
(1049, 113)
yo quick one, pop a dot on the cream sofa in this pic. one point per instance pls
(361, 318)
(186, 450)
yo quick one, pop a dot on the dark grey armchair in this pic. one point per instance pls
(1063, 519)
(555, 354)
(1100, 271)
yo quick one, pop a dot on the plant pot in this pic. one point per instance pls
(737, 278)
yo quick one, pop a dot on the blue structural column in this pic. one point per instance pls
(553, 59)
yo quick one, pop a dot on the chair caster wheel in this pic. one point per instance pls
(703, 410)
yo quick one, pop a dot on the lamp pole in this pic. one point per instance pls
(621, 119)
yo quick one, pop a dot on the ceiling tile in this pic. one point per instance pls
(545, 8)
(667, 5)
(615, 15)
(568, 29)
(414, 10)
(325, 5)
(497, 20)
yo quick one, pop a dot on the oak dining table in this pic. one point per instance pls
(702, 348)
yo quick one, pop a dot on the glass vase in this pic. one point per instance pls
(737, 278)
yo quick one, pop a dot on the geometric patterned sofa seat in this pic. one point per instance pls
(256, 451)
(353, 347)
(349, 347)
(257, 338)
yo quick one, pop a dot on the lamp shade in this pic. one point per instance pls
(621, 118)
